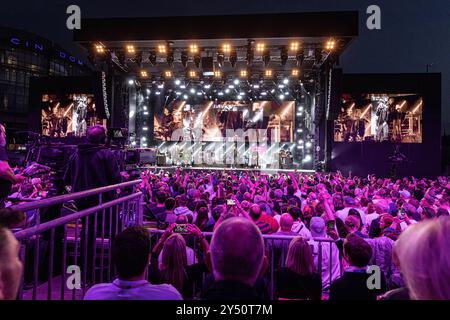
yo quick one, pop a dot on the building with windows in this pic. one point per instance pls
(24, 55)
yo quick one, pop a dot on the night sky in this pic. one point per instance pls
(414, 32)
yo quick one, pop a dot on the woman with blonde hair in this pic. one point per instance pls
(298, 279)
(173, 267)
(423, 256)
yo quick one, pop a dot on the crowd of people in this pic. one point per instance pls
(230, 234)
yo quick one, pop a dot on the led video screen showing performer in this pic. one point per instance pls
(68, 115)
(211, 120)
(380, 117)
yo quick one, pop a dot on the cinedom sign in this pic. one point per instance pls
(18, 42)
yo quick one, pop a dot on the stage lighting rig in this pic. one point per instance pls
(197, 60)
(300, 57)
(184, 59)
(220, 59)
(317, 55)
(233, 59)
(266, 57)
(250, 54)
(170, 59)
(152, 57)
(284, 56)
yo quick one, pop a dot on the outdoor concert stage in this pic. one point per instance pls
(205, 168)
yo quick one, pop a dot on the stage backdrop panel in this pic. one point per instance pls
(372, 114)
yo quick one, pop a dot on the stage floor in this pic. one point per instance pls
(271, 170)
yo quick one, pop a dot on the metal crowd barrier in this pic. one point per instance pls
(277, 253)
(55, 253)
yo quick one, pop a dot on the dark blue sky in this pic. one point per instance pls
(414, 32)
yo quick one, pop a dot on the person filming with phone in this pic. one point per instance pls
(170, 263)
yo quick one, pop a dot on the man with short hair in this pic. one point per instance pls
(265, 223)
(92, 166)
(354, 284)
(131, 255)
(280, 247)
(169, 205)
(237, 260)
(159, 211)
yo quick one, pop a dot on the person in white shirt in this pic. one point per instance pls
(330, 262)
(350, 203)
(131, 255)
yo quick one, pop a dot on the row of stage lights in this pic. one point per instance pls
(225, 50)
(243, 73)
(240, 90)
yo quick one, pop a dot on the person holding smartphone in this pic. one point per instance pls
(169, 259)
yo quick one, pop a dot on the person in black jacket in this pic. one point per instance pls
(93, 166)
(355, 284)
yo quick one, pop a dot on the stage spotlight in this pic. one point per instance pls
(233, 59)
(294, 46)
(144, 74)
(193, 48)
(199, 93)
(192, 91)
(226, 48)
(192, 74)
(152, 57)
(284, 56)
(268, 73)
(227, 90)
(243, 73)
(170, 58)
(256, 86)
(220, 59)
(295, 72)
(168, 74)
(260, 47)
(220, 93)
(308, 145)
(307, 158)
(99, 48)
(158, 93)
(217, 74)
(285, 80)
(130, 49)
(177, 82)
(131, 82)
(148, 92)
(162, 48)
(184, 58)
(236, 81)
(281, 96)
(266, 58)
(264, 93)
(330, 44)
(185, 97)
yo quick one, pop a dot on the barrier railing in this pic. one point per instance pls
(327, 259)
(71, 252)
